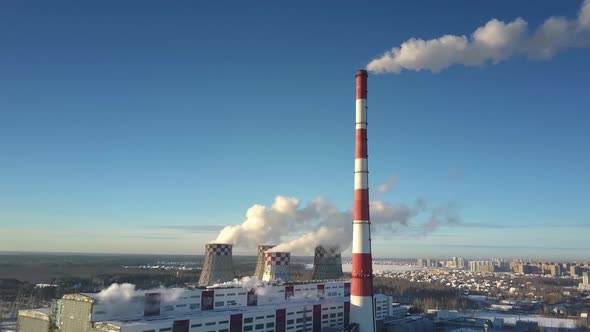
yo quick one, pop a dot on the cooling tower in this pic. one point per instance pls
(327, 263)
(260, 262)
(362, 311)
(276, 267)
(218, 266)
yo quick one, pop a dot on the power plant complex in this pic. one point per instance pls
(219, 303)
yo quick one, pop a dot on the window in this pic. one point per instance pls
(325, 316)
(224, 330)
(270, 316)
(209, 323)
(259, 326)
(223, 322)
(247, 320)
(194, 306)
(308, 319)
(270, 325)
(166, 329)
(332, 315)
(197, 325)
(195, 296)
(299, 320)
(340, 314)
(290, 314)
(169, 308)
(149, 331)
(219, 295)
(260, 317)
(290, 321)
(231, 294)
(219, 304)
(247, 328)
(181, 305)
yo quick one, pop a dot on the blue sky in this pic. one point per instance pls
(120, 120)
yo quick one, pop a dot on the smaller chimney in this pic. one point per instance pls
(276, 267)
(218, 266)
(327, 263)
(260, 262)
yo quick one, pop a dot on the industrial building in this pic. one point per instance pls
(218, 266)
(327, 263)
(275, 305)
(269, 308)
(261, 260)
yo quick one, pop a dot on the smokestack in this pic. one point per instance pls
(260, 262)
(327, 263)
(361, 295)
(277, 266)
(218, 266)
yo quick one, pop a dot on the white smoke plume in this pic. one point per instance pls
(245, 282)
(124, 300)
(300, 228)
(494, 42)
(125, 293)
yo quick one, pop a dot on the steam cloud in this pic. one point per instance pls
(494, 42)
(300, 228)
(124, 293)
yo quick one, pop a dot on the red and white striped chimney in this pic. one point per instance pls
(361, 293)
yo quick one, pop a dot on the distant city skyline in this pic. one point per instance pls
(140, 128)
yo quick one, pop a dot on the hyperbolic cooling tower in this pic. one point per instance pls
(260, 262)
(361, 288)
(276, 266)
(218, 266)
(327, 263)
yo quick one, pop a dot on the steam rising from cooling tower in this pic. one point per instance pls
(261, 260)
(327, 263)
(494, 42)
(218, 266)
(299, 227)
(276, 267)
